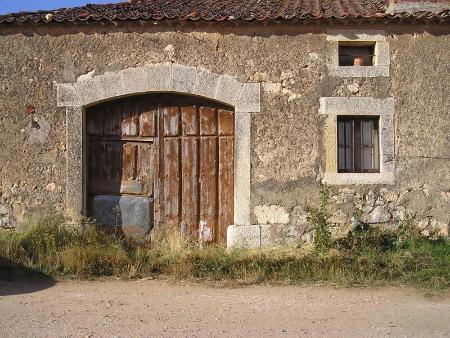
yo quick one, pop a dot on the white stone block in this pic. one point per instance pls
(243, 236)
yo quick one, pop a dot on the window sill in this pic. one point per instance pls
(359, 178)
(359, 71)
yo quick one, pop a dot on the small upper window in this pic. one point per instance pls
(358, 144)
(356, 54)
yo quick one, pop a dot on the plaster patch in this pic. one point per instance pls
(271, 214)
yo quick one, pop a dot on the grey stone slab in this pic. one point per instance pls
(124, 211)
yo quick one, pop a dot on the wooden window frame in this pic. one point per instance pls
(357, 144)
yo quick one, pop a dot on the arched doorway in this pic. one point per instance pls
(163, 159)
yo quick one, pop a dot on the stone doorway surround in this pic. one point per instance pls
(158, 78)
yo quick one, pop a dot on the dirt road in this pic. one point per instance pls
(155, 308)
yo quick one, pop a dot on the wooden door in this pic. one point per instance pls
(170, 154)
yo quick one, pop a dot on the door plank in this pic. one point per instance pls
(208, 183)
(171, 182)
(130, 121)
(189, 121)
(208, 121)
(226, 186)
(147, 123)
(226, 122)
(146, 167)
(190, 186)
(171, 118)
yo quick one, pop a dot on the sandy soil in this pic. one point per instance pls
(158, 308)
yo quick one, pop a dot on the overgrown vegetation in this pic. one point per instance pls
(365, 256)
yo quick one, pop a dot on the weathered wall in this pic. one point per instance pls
(287, 152)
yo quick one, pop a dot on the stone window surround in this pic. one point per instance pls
(332, 107)
(382, 54)
(168, 77)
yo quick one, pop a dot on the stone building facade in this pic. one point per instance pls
(281, 75)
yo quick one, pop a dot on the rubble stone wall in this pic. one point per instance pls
(287, 157)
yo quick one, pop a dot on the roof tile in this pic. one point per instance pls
(230, 10)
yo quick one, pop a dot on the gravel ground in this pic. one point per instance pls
(159, 308)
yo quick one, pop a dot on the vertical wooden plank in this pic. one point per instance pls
(147, 123)
(226, 186)
(208, 121)
(94, 122)
(208, 183)
(130, 120)
(171, 182)
(189, 121)
(226, 122)
(171, 121)
(112, 119)
(129, 162)
(145, 167)
(190, 186)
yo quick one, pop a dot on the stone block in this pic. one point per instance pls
(228, 90)
(249, 100)
(243, 236)
(352, 71)
(266, 235)
(159, 77)
(66, 95)
(356, 106)
(183, 78)
(356, 35)
(242, 169)
(206, 84)
(134, 80)
(111, 84)
(90, 91)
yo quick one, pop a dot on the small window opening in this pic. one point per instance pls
(358, 144)
(356, 54)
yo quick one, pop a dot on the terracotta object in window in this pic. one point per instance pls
(358, 61)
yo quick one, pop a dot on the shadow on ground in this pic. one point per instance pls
(16, 279)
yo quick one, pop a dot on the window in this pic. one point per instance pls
(358, 144)
(356, 54)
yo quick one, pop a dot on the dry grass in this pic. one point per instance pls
(366, 257)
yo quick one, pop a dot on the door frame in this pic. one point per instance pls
(158, 78)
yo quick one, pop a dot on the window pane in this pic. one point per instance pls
(376, 146)
(349, 159)
(349, 133)
(367, 133)
(367, 158)
(341, 159)
(341, 133)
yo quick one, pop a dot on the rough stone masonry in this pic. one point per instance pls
(290, 61)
